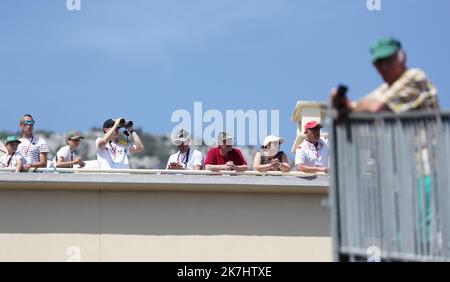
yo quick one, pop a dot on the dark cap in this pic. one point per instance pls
(108, 123)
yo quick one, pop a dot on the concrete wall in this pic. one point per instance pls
(162, 218)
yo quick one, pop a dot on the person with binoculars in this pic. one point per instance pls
(112, 153)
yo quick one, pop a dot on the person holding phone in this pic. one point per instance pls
(66, 157)
(270, 157)
(224, 156)
(186, 157)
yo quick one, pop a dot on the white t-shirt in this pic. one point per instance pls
(115, 155)
(66, 154)
(12, 160)
(307, 154)
(188, 162)
(30, 148)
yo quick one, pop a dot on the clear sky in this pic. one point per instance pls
(144, 59)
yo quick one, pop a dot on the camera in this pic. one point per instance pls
(340, 104)
(342, 92)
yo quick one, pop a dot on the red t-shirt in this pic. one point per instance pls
(215, 157)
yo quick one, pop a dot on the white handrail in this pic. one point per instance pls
(170, 172)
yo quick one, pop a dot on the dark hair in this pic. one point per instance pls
(24, 116)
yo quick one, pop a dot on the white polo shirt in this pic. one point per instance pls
(114, 155)
(187, 160)
(307, 154)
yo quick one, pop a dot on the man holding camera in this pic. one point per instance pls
(112, 153)
(404, 89)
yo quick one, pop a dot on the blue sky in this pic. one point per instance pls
(144, 59)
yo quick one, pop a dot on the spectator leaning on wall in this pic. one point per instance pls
(34, 149)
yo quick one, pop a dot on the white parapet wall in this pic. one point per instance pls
(137, 217)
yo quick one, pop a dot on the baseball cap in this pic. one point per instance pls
(384, 48)
(12, 139)
(312, 124)
(74, 135)
(273, 138)
(108, 123)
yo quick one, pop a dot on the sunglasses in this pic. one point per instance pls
(28, 122)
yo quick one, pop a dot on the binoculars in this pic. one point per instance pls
(126, 124)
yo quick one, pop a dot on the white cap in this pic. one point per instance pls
(272, 138)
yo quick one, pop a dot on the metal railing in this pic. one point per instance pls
(390, 177)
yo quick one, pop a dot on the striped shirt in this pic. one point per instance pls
(30, 148)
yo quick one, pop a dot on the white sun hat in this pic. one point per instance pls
(272, 138)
